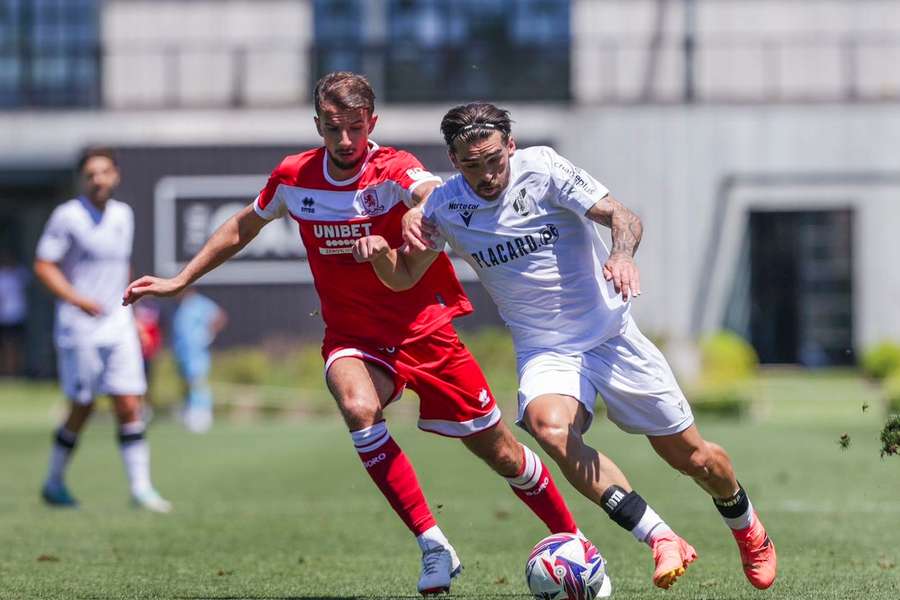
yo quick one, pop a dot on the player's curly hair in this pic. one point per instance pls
(345, 90)
(474, 121)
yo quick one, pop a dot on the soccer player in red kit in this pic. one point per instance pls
(377, 341)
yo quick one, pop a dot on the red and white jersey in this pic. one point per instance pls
(332, 215)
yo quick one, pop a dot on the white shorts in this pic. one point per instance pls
(628, 371)
(88, 370)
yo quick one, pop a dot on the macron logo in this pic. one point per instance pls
(374, 460)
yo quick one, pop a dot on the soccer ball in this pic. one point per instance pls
(565, 566)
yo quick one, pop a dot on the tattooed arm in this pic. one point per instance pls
(626, 236)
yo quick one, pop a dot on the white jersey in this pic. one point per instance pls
(93, 249)
(535, 252)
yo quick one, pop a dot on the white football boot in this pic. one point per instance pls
(150, 499)
(605, 587)
(440, 564)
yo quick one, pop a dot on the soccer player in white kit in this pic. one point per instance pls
(527, 221)
(83, 257)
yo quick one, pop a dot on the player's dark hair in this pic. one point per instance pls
(345, 90)
(474, 121)
(95, 151)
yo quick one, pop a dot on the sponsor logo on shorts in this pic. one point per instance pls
(484, 397)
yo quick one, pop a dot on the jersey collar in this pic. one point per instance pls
(342, 182)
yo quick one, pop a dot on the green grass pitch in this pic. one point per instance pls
(276, 509)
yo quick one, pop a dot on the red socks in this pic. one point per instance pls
(394, 475)
(536, 488)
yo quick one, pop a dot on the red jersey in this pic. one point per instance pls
(332, 215)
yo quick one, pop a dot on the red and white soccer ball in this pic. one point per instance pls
(565, 566)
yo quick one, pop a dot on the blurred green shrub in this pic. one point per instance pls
(881, 360)
(246, 366)
(892, 392)
(728, 362)
(725, 356)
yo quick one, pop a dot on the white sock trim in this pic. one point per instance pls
(431, 537)
(651, 524)
(370, 438)
(742, 522)
(531, 472)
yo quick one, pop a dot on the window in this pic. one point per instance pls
(445, 50)
(49, 53)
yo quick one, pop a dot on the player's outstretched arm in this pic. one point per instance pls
(626, 236)
(224, 243)
(397, 270)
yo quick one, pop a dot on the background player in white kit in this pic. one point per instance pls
(527, 223)
(83, 257)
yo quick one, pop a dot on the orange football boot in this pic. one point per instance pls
(672, 555)
(757, 553)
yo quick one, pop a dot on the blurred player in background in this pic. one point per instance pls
(83, 257)
(14, 279)
(377, 342)
(196, 323)
(527, 223)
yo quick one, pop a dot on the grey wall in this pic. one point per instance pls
(673, 164)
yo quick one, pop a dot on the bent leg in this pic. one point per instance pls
(557, 422)
(705, 462)
(361, 389)
(526, 474)
(709, 465)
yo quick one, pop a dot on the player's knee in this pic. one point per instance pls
(553, 436)
(358, 410)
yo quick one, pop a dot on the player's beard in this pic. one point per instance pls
(345, 165)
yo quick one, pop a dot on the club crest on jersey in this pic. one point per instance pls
(464, 210)
(370, 203)
(523, 205)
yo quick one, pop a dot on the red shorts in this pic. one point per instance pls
(454, 397)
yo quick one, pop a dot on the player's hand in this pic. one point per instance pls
(417, 232)
(621, 270)
(89, 307)
(150, 286)
(370, 247)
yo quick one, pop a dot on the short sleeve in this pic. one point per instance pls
(574, 187)
(269, 204)
(430, 214)
(408, 173)
(56, 239)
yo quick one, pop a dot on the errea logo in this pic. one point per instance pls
(307, 205)
(484, 397)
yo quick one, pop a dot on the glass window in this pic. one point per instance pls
(49, 53)
(440, 50)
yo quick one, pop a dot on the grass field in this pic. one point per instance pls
(282, 509)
